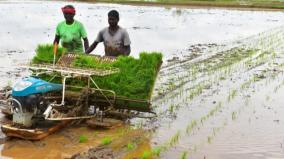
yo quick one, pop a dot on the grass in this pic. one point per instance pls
(146, 155)
(130, 146)
(106, 141)
(83, 139)
(135, 79)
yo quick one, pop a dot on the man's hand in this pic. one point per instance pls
(86, 44)
(92, 47)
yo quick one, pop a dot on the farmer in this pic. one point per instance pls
(70, 32)
(116, 39)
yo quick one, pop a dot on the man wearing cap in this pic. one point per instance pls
(70, 32)
(116, 39)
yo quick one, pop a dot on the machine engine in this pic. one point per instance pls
(28, 99)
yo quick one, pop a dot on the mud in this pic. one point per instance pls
(66, 144)
(120, 148)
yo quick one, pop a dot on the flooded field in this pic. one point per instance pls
(218, 94)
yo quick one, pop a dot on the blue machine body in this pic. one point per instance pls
(30, 85)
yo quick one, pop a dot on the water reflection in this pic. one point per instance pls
(150, 28)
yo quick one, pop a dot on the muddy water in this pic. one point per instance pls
(246, 125)
(237, 111)
(67, 143)
(151, 28)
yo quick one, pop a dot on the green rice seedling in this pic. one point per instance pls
(134, 80)
(203, 119)
(160, 92)
(191, 95)
(130, 146)
(172, 86)
(9, 83)
(197, 90)
(183, 155)
(83, 139)
(214, 131)
(191, 126)
(273, 55)
(146, 155)
(90, 62)
(136, 77)
(171, 109)
(44, 54)
(277, 88)
(175, 139)
(209, 139)
(219, 105)
(231, 95)
(222, 78)
(157, 151)
(211, 113)
(234, 115)
(106, 141)
(234, 93)
(243, 86)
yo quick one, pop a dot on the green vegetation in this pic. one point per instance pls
(130, 146)
(157, 151)
(44, 54)
(90, 62)
(146, 154)
(135, 79)
(209, 139)
(183, 155)
(190, 126)
(175, 138)
(83, 139)
(106, 141)
(232, 95)
(234, 115)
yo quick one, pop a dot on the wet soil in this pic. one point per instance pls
(128, 145)
(218, 94)
(68, 143)
(238, 5)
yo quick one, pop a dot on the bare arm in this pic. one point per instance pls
(92, 47)
(56, 39)
(86, 44)
(125, 49)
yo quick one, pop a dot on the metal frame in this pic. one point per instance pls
(69, 72)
